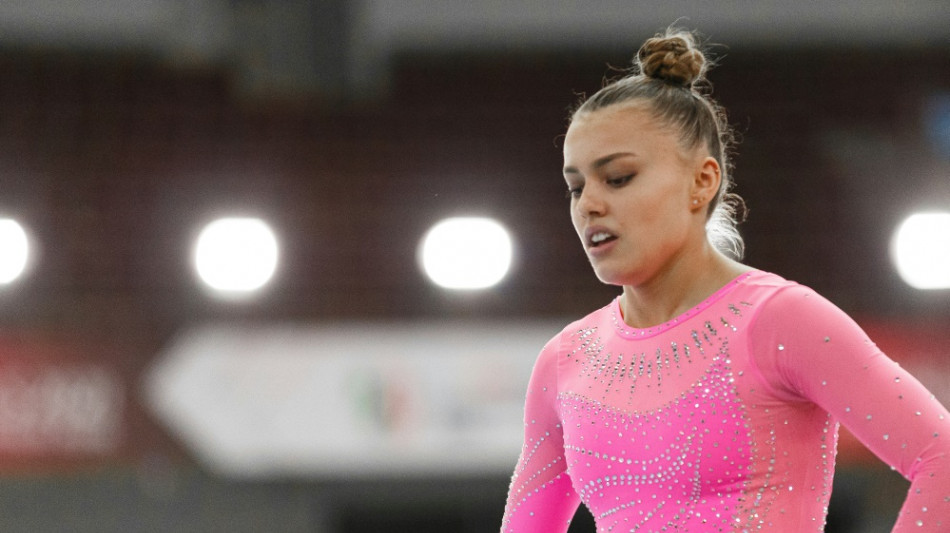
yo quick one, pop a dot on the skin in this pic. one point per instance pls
(629, 176)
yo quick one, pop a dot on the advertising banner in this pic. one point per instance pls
(60, 404)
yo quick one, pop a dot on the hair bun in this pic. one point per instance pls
(672, 58)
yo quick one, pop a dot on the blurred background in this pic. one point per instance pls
(344, 385)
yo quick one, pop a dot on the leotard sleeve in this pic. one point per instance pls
(541, 498)
(811, 351)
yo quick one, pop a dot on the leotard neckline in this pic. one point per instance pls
(629, 332)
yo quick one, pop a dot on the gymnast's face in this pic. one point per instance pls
(631, 186)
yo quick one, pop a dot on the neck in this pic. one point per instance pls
(678, 288)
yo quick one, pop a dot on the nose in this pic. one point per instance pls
(590, 203)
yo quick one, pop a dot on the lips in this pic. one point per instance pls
(596, 237)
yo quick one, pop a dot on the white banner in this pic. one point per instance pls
(349, 399)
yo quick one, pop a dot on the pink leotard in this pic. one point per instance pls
(723, 419)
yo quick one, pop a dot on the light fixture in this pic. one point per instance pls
(236, 256)
(14, 250)
(920, 250)
(466, 253)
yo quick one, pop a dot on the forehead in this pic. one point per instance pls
(627, 128)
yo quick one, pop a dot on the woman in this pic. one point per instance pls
(707, 396)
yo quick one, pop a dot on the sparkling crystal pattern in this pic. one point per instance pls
(723, 419)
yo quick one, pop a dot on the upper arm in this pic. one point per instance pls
(809, 350)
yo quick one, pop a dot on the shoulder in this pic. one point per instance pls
(781, 301)
(765, 284)
(795, 323)
(797, 336)
(791, 319)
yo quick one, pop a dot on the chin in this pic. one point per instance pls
(609, 277)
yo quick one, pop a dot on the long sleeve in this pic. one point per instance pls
(541, 498)
(810, 351)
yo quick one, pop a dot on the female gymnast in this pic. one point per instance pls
(707, 396)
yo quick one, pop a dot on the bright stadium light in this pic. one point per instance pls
(466, 253)
(14, 250)
(920, 250)
(236, 255)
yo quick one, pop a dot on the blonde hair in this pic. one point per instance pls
(669, 76)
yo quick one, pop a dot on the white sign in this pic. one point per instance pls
(349, 399)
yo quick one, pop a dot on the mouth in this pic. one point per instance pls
(598, 238)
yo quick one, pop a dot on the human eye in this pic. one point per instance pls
(575, 185)
(619, 181)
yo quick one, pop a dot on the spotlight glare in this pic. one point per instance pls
(14, 250)
(236, 255)
(466, 253)
(920, 250)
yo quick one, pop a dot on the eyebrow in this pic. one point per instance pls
(600, 162)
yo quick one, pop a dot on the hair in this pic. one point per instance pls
(669, 76)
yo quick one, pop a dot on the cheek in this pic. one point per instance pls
(672, 205)
(656, 222)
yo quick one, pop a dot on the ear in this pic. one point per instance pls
(706, 181)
